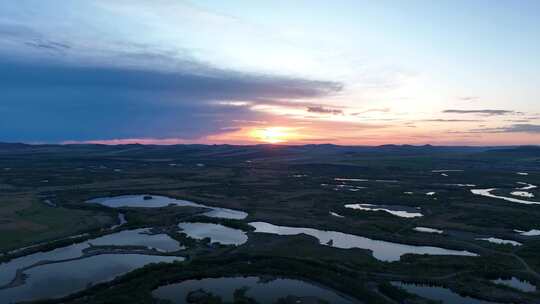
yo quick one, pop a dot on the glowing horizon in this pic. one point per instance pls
(347, 73)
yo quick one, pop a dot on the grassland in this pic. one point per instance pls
(25, 220)
(290, 186)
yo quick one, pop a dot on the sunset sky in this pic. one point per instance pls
(293, 72)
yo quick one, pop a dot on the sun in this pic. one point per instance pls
(272, 135)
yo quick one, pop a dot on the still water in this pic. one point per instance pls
(487, 193)
(428, 230)
(136, 237)
(500, 241)
(444, 295)
(400, 211)
(264, 291)
(516, 283)
(382, 250)
(157, 201)
(61, 279)
(216, 232)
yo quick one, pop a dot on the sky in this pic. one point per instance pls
(282, 72)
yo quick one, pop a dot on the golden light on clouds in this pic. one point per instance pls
(273, 135)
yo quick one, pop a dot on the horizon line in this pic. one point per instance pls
(261, 144)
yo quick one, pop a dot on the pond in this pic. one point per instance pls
(332, 213)
(444, 295)
(382, 250)
(428, 230)
(60, 279)
(225, 213)
(348, 188)
(216, 232)
(522, 194)
(121, 221)
(137, 237)
(487, 193)
(158, 201)
(400, 211)
(526, 186)
(264, 291)
(532, 232)
(345, 179)
(500, 241)
(516, 283)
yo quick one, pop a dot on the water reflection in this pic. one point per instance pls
(487, 193)
(121, 221)
(500, 241)
(158, 201)
(332, 213)
(61, 279)
(516, 283)
(526, 186)
(522, 194)
(428, 230)
(382, 250)
(532, 232)
(401, 211)
(444, 295)
(216, 232)
(263, 291)
(136, 237)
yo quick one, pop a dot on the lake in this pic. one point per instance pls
(382, 250)
(500, 241)
(400, 211)
(216, 232)
(487, 193)
(516, 283)
(264, 291)
(445, 295)
(428, 230)
(61, 279)
(158, 201)
(136, 237)
(532, 232)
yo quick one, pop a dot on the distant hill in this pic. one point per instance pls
(262, 150)
(532, 151)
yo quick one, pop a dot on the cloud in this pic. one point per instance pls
(515, 128)
(451, 120)
(249, 122)
(48, 45)
(203, 84)
(488, 112)
(58, 101)
(519, 120)
(469, 98)
(10, 30)
(380, 110)
(383, 110)
(231, 129)
(323, 110)
(62, 82)
(127, 141)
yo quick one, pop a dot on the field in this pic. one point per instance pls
(43, 190)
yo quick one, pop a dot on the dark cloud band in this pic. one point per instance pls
(515, 128)
(55, 102)
(483, 112)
